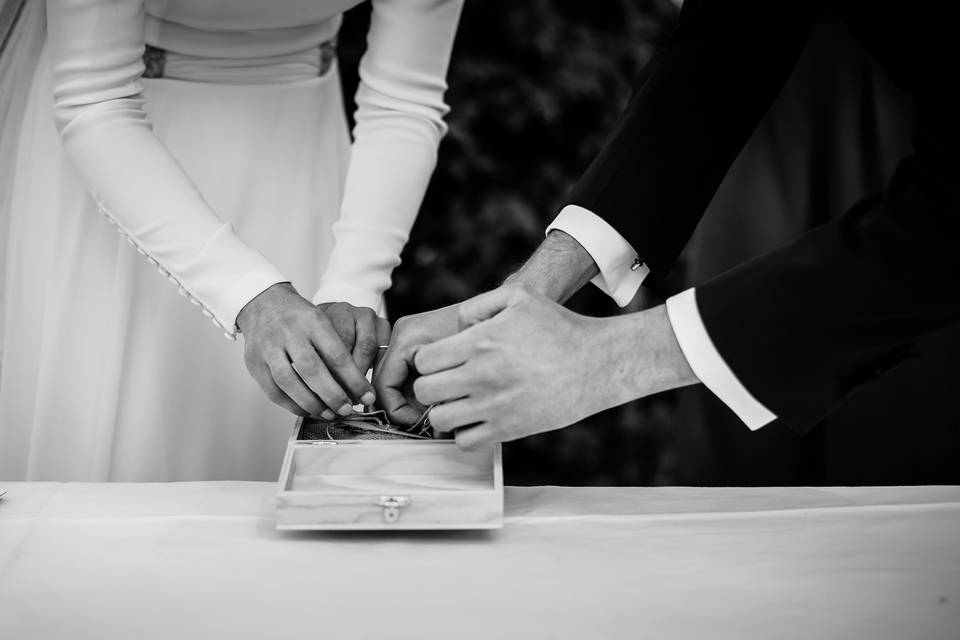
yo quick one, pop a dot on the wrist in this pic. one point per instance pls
(557, 269)
(252, 310)
(647, 358)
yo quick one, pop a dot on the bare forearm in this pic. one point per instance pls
(557, 269)
(639, 351)
(642, 355)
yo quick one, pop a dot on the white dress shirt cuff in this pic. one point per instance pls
(707, 363)
(357, 296)
(621, 270)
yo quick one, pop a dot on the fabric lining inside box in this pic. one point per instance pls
(371, 425)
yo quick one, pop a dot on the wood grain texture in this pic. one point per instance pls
(357, 510)
(328, 485)
(373, 458)
(391, 484)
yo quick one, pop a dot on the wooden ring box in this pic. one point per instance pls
(357, 484)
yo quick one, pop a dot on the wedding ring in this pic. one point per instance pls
(383, 346)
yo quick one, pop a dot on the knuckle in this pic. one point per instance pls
(284, 376)
(331, 394)
(321, 322)
(341, 317)
(399, 335)
(522, 290)
(334, 310)
(343, 327)
(339, 359)
(488, 344)
(366, 344)
(335, 399)
(404, 329)
(307, 364)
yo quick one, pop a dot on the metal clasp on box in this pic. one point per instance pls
(391, 506)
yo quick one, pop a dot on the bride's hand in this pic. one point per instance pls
(361, 330)
(295, 353)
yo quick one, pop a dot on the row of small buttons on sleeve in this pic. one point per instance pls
(230, 333)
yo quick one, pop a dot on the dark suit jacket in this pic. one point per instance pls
(803, 326)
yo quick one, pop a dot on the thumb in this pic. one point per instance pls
(485, 306)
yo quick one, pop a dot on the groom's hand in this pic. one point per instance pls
(394, 375)
(523, 364)
(296, 355)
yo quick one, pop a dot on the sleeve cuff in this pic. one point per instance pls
(707, 363)
(358, 297)
(243, 291)
(621, 269)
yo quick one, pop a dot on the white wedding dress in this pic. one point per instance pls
(141, 205)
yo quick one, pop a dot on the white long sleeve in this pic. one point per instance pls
(399, 123)
(96, 49)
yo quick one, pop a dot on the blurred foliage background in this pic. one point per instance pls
(535, 88)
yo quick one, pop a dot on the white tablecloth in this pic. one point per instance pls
(202, 560)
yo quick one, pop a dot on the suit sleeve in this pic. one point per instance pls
(696, 104)
(806, 326)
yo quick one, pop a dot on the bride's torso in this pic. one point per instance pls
(218, 36)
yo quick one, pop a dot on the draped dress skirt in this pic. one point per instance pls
(107, 372)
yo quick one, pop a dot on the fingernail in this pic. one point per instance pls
(346, 409)
(328, 415)
(368, 398)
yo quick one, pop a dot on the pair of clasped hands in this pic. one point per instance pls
(501, 366)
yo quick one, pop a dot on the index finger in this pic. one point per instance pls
(340, 362)
(365, 340)
(446, 353)
(486, 305)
